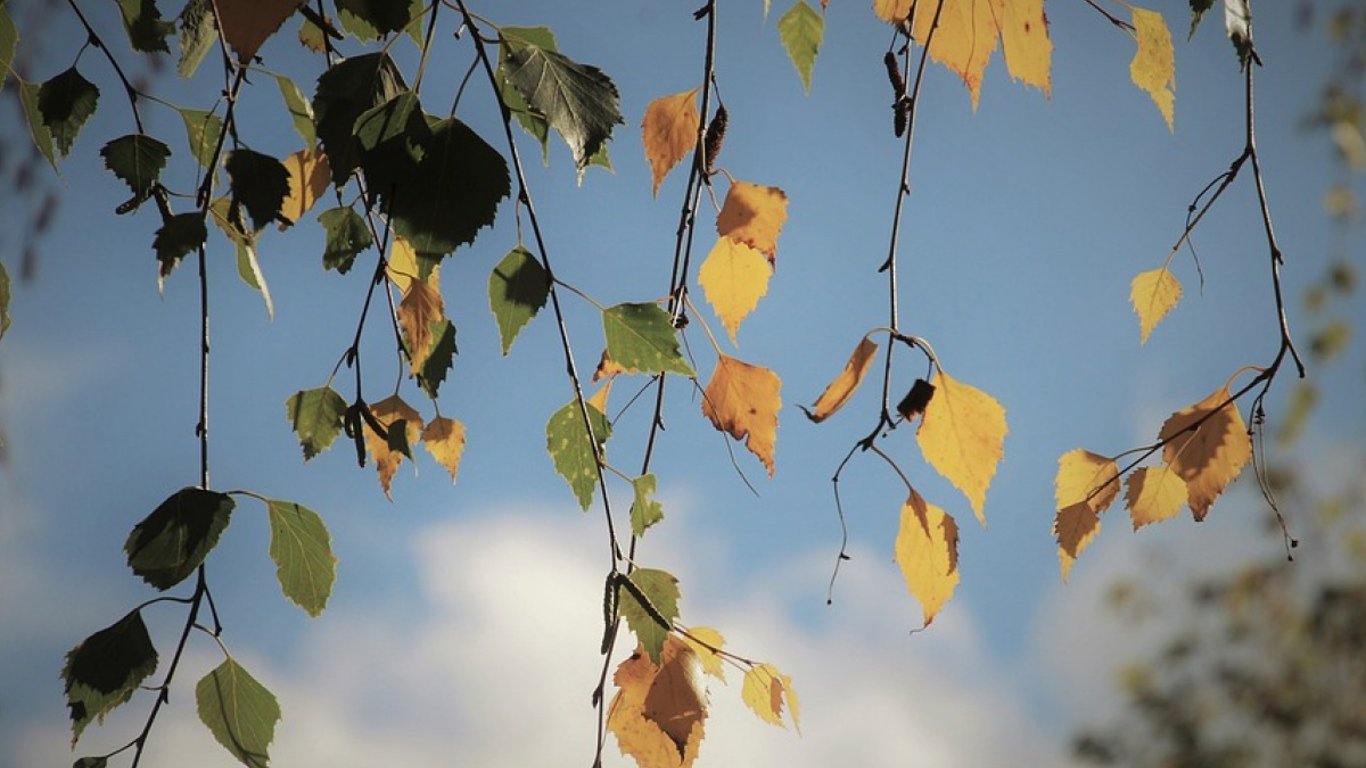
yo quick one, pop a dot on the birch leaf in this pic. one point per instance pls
(669, 132)
(734, 277)
(246, 25)
(1153, 294)
(845, 384)
(444, 439)
(571, 450)
(659, 709)
(309, 177)
(1154, 494)
(1081, 474)
(422, 306)
(766, 690)
(801, 31)
(1208, 456)
(743, 401)
(1154, 66)
(962, 436)
(387, 457)
(753, 215)
(927, 551)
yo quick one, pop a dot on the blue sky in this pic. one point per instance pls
(464, 623)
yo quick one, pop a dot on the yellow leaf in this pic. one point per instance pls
(403, 268)
(845, 384)
(658, 711)
(1154, 494)
(734, 277)
(421, 306)
(1209, 456)
(247, 23)
(1024, 40)
(1153, 293)
(386, 412)
(607, 368)
(753, 215)
(445, 440)
(599, 398)
(1086, 486)
(669, 132)
(969, 31)
(742, 401)
(706, 645)
(765, 690)
(1154, 66)
(962, 435)
(927, 550)
(309, 177)
(892, 11)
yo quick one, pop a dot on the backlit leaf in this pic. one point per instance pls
(734, 278)
(202, 131)
(260, 183)
(1153, 294)
(302, 550)
(1208, 456)
(309, 176)
(573, 452)
(1086, 486)
(403, 266)
(743, 401)
(518, 288)
(239, 712)
(1198, 8)
(9, 42)
(962, 435)
(753, 215)
(142, 21)
(845, 384)
(640, 337)
(658, 712)
(669, 132)
(645, 510)
(198, 33)
(182, 234)
(1154, 66)
(422, 306)
(801, 30)
(171, 542)
(300, 110)
(105, 669)
(660, 590)
(440, 357)
(371, 19)
(316, 416)
(347, 236)
(579, 101)
(37, 129)
(388, 451)
(137, 159)
(706, 643)
(1153, 494)
(347, 89)
(534, 123)
(66, 101)
(444, 439)
(246, 25)
(927, 551)
(1025, 43)
(969, 30)
(766, 690)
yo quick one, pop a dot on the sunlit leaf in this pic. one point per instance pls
(927, 551)
(658, 712)
(239, 712)
(743, 401)
(202, 131)
(1208, 445)
(309, 177)
(660, 592)
(1154, 66)
(766, 690)
(444, 439)
(962, 436)
(640, 337)
(302, 550)
(317, 418)
(388, 450)
(1153, 494)
(838, 392)
(669, 132)
(801, 30)
(1153, 294)
(246, 25)
(734, 277)
(645, 509)
(707, 643)
(300, 110)
(573, 453)
(518, 288)
(1086, 485)
(753, 215)
(422, 306)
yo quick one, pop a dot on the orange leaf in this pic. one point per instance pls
(753, 215)
(386, 412)
(658, 711)
(247, 23)
(1154, 66)
(1080, 475)
(734, 277)
(669, 132)
(444, 439)
(1209, 456)
(927, 551)
(309, 176)
(742, 401)
(962, 436)
(765, 690)
(1154, 494)
(845, 384)
(421, 306)
(1153, 293)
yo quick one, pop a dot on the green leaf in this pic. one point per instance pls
(91, 762)
(660, 588)
(4, 300)
(347, 236)
(572, 451)
(239, 712)
(202, 130)
(396, 438)
(579, 101)
(302, 551)
(180, 235)
(372, 19)
(510, 39)
(344, 91)
(66, 102)
(801, 30)
(645, 511)
(249, 269)
(260, 183)
(440, 359)
(316, 415)
(1198, 8)
(392, 139)
(104, 670)
(443, 201)
(172, 541)
(42, 137)
(518, 288)
(198, 33)
(9, 42)
(300, 111)
(137, 159)
(641, 338)
(142, 21)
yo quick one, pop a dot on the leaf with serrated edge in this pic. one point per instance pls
(421, 307)
(105, 669)
(9, 41)
(579, 101)
(180, 235)
(518, 289)
(1153, 294)
(927, 551)
(302, 550)
(66, 102)
(1086, 485)
(171, 542)
(571, 450)
(1153, 494)
(640, 337)
(239, 712)
(734, 277)
(299, 108)
(765, 690)
(444, 439)
(669, 132)
(202, 129)
(1154, 66)
(309, 177)
(645, 510)
(753, 214)
(316, 416)
(801, 30)
(388, 412)
(260, 183)
(660, 588)
(707, 644)
(137, 159)
(845, 384)
(658, 712)
(440, 357)
(743, 401)
(198, 32)
(347, 236)
(247, 25)
(1210, 456)
(962, 436)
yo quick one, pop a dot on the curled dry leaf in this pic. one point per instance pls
(845, 384)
